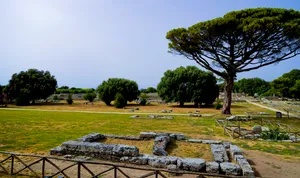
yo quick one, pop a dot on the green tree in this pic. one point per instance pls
(69, 99)
(143, 99)
(240, 41)
(108, 89)
(188, 84)
(3, 97)
(295, 90)
(28, 86)
(151, 90)
(120, 101)
(282, 86)
(90, 96)
(251, 86)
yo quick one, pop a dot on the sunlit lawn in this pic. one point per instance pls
(38, 131)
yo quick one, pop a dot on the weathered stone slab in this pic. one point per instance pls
(235, 150)
(212, 167)
(195, 115)
(257, 129)
(139, 160)
(230, 169)
(147, 135)
(99, 150)
(161, 161)
(191, 164)
(204, 141)
(245, 166)
(177, 136)
(219, 153)
(160, 144)
(195, 140)
(91, 137)
(236, 157)
(122, 137)
(57, 151)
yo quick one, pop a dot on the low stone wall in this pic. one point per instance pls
(130, 154)
(99, 150)
(219, 153)
(160, 144)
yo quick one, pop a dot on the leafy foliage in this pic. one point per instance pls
(240, 41)
(218, 104)
(108, 89)
(69, 99)
(286, 86)
(55, 98)
(143, 99)
(31, 85)
(73, 90)
(90, 96)
(274, 134)
(149, 90)
(251, 86)
(120, 101)
(188, 84)
(2, 96)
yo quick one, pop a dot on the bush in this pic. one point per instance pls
(69, 99)
(55, 97)
(120, 101)
(218, 104)
(143, 99)
(89, 97)
(274, 134)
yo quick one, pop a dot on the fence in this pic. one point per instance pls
(109, 170)
(234, 130)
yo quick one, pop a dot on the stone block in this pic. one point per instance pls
(212, 167)
(230, 169)
(219, 153)
(91, 137)
(191, 164)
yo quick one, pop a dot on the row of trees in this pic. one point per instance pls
(287, 85)
(73, 90)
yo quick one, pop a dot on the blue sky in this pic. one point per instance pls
(83, 42)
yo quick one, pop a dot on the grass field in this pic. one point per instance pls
(79, 105)
(34, 131)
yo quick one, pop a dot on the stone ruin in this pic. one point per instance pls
(152, 117)
(222, 152)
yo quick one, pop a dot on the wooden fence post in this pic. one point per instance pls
(43, 168)
(12, 164)
(78, 170)
(115, 172)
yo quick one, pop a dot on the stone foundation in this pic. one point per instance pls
(87, 146)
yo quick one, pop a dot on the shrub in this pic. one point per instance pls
(274, 134)
(218, 104)
(143, 99)
(89, 96)
(69, 99)
(120, 101)
(55, 97)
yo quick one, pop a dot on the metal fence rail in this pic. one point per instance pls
(12, 158)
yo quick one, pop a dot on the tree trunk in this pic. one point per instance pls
(181, 103)
(229, 82)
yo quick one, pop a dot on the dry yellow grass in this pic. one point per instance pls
(80, 105)
(175, 148)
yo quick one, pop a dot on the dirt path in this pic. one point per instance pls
(272, 109)
(268, 165)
